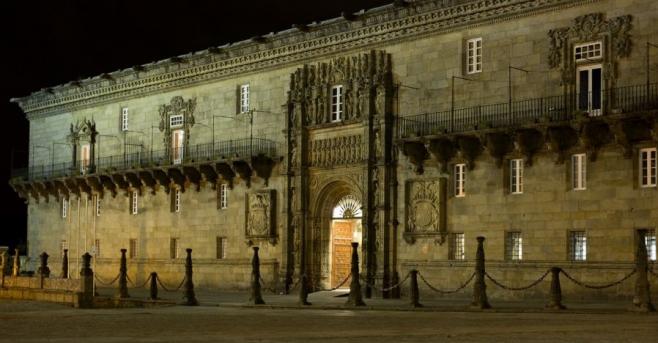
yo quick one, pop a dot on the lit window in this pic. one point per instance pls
(474, 55)
(176, 120)
(133, 202)
(648, 167)
(460, 180)
(244, 98)
(516, 176)
(98, 205)
(65, 207)
(178, 146)
(177, 198)
(650, 241)
(221, 248)
(132, 248)
(578, 172)
(84, 158)
(577, 246)
(456, 247)
(124, 119)
(336, 103)
(223, 196)
(588, 52)
(173, 248)
(513, 246)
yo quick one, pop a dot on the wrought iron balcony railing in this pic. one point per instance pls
(547, 109)
(217, 151)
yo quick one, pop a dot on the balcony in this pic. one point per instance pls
(196, 164)
(624, 115)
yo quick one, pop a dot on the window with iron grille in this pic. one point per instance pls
(513, 246)
(648, 167)
(244, 98)
(173, 248)
(456, 247)
(176, 120)
(65, 207)
(460, 180)
(588, 52)
(650, 242)
(577, 246)
(516, 176)
(132, 248)
(474, 55)
(97, 248)
(221, 248)
(177, 200)
(133, 202)
(124, 119)
(578, 172)
(336, 103)
(223, 196)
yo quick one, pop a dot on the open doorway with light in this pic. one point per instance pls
(346, 228)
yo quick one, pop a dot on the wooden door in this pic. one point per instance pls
(342, 231)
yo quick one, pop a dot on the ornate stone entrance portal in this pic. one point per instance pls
(345, 229)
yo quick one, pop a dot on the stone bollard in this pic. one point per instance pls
(190, 297)
(65, 264)
(16, 270)
(414, 293)
(303, 290)
(355, 298)
(256, 296)
(479, 287)
(123, 277)
(642, 297)
(43, 270)
(153, 291)
(86, 283)
(555, 302)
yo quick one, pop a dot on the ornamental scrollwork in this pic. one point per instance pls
(425, 209)
(259, 212)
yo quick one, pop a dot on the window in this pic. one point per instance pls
(244, 98)
(516, 176)
(221, 248)
(650, 242)
(84, 158)
(178, 146)
(588, 52)
(173, 248)
(65, 207)
(456, 247)
(63, 246)
(474, 55)
(133, 202)
(589, 84)
(132, 248)
(513, 246)
(460, 180)
(223, 196)
(336, 103)
(98, 205)
(578, 172)
(648, 167)
(124, 119)
(176, 200)
(97, 248)
(577, 246)
(176, 120)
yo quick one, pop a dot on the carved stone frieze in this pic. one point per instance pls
(425, 209)
(260, 209)
(336, 151)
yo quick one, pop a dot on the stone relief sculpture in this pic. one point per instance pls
(259, 214)
(336, 151)
(425, 209)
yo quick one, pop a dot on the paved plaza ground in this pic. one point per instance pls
(226, 317)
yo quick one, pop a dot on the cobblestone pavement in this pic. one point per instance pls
(40, 322)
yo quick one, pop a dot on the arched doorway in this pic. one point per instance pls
(345, 228)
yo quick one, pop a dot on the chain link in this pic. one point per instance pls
(387, 289)
(533, 284)
(167, 289)
(582, 284)
(106, 283)
(132, 284)
(342, 283)
(145, 282)
(447, 292)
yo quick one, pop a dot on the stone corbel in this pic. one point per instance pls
(61, 188)
(499, 144)
(31, 190)
(83, 186)
(163, 179)
(244, 170)
(528, 142)
(470, 148)
(43, 190)
(177, 176)
(108, 183)
(417, 154)
(133, 179)
(227, 173)
(209, 174)
(20, 190)
(194, 175)
(443, 150)
(594, 134)
(631, 130)
(263, 166)
(95, 183)
(149, 180)
(73, 187)
(121, 182)
(561, 139)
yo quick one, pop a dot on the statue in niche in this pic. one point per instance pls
(378, 144)
(293, 154)
(379, 100)
(349, 103)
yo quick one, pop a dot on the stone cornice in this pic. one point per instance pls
(374, 27)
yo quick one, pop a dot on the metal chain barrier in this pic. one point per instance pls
(106, 283)
(294, 287)
(447, 292)
(143, 284)
(387, 289)
(167, 288)
(582, 284)
(132, 284)
(340, 284)
(269, 289)
(533, 284)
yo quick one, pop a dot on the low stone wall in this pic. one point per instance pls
(65, 291)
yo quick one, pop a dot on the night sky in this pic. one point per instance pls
(53, 42)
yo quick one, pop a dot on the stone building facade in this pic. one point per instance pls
(411, 128)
